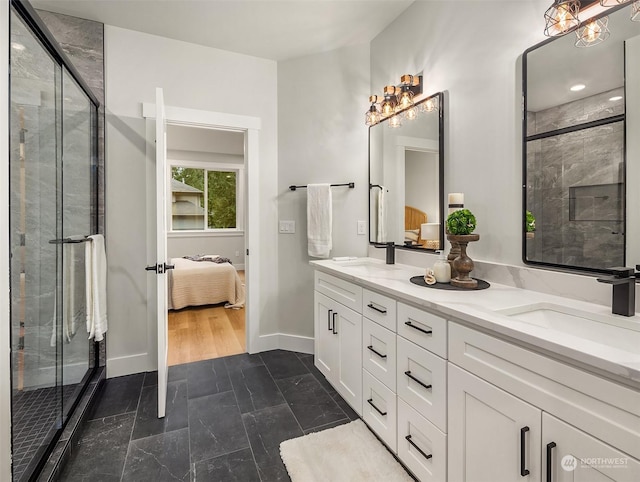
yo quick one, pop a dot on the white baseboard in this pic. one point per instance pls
(128, 365)
(283, 341)
(139, 363)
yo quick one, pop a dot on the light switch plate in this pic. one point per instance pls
(362, 227)
(287, 227)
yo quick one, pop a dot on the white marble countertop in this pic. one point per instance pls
(617, 358)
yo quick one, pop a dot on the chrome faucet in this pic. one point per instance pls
(624, 290)
(391, 251)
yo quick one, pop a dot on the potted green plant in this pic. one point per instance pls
(460, 224)
(530, 224)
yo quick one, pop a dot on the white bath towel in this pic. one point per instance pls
(319, 220)
(380, 231)
(96, 286)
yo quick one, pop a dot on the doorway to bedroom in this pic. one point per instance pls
(206, 209)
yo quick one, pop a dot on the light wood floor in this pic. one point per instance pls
(205, 332)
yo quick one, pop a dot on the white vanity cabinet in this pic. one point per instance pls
(569, 417)
(338, 336)
(458, 402)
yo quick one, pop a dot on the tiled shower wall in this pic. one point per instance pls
(83, 42)
(589, 157)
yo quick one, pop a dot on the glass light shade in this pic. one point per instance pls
(593, 33)
(406, 98)
(388, 107)
(430, 105)
(611, 3)
(561, 18)
(411, 113)
(372, 117)
(395, 122)
(635, 11)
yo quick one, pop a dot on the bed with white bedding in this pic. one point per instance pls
(197, 283)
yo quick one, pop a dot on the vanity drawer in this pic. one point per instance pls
(379, 352)
(349, 294)
(422, 381)
(423, 328)
(425, 452)
(379, 308)
(379, 409)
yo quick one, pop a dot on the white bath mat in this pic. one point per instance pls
(348, 453)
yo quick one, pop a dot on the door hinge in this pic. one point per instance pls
(247, 251)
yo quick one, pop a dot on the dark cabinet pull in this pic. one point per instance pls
(370, 347)
(408, 323)
(408, 373)
(550, 447)
(371, 305)
(329, 319)
(426, 456)
(370, 401)
(334, 330)
(523, 470)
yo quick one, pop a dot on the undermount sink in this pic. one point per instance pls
(604, 329)
(370, 267)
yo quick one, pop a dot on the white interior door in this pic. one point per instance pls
(161, 248)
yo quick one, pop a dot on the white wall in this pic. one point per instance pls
(5, 322)
(477, 64)
(322, 138)
(135, 64)
(228, 246)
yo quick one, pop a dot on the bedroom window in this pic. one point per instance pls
(205, 199)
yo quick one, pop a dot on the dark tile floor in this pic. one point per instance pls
(225, 421)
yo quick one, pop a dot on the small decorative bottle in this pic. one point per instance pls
(442, 269)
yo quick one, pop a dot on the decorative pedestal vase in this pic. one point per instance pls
(454, 252)
(463, 264)
(530, 235)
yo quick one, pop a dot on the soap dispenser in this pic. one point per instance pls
(442, 269)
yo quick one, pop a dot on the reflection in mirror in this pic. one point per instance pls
(574, 148)
(406, 179)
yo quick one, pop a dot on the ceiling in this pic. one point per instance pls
(272, 29)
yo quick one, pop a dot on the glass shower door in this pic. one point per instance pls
(78, 161)
(52, 210)
(35, 200)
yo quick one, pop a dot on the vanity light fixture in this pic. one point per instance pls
(593, 32)
(388, 106)
(561, 18)
(396, 102)
(395, 121)
(372, 116)
(635, 11)
(577, 87)
(432, 104)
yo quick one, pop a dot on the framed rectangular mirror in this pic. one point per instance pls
(406, 179)
(575, 135)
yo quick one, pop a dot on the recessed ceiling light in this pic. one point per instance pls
(615, 97)
(577, 87)
(17, 46)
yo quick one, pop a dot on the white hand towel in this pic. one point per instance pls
(319, 220)
(96, 287)
(381, 232)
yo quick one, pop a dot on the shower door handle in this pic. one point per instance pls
(160, 268)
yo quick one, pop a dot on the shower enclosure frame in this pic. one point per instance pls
(38, 29)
